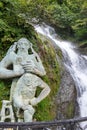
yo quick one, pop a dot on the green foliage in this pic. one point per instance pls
(70, 110)
(80, 29)
(1, 5)
(62, 15)
(4, 90)
(43, 111)
(13, 25)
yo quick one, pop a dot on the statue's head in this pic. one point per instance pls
(24, 43)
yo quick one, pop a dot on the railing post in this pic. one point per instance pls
(19, 128)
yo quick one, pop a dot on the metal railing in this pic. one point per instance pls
(70, 124)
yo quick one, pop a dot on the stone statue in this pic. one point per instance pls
(24, 95)
(26, 70)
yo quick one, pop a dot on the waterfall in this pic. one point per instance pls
(75, 63)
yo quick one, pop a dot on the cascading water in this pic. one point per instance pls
(75, 63)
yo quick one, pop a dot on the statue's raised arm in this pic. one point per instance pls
(33, 63)
(7, 64)
(39, 62)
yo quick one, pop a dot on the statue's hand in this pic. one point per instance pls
(28, 66)
(18, 70)
(33, 101)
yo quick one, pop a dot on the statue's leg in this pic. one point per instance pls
(28, 114)
(19, 115)
(13, 86)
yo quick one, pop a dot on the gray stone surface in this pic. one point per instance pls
(66, 97)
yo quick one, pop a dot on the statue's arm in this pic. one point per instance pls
(5, 72)
(12, 48)
(38, 72)
(30, 67)
(39, 66)
(34, 66)
(39, 69)
(44, 93)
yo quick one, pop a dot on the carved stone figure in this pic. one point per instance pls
(26, 69)
(24, 95)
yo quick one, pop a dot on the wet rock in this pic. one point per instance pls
(66, 97)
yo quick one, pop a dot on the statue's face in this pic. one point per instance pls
(23, 43)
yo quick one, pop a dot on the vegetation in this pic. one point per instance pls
(68, 16)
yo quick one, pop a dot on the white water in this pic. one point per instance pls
(75, 63)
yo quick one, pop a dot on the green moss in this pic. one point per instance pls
(43, 110)
(1, 5)
(70, 110)
(4, 90)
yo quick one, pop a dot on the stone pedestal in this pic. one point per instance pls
(7, 111)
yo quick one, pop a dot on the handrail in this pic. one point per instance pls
(42, 124)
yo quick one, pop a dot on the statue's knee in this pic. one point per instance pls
(28, 114)
(31, 110)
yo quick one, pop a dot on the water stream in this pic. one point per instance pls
(76, 65)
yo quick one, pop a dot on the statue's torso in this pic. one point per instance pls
(27, 85)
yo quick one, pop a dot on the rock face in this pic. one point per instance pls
(65, 100)
(66, 97)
